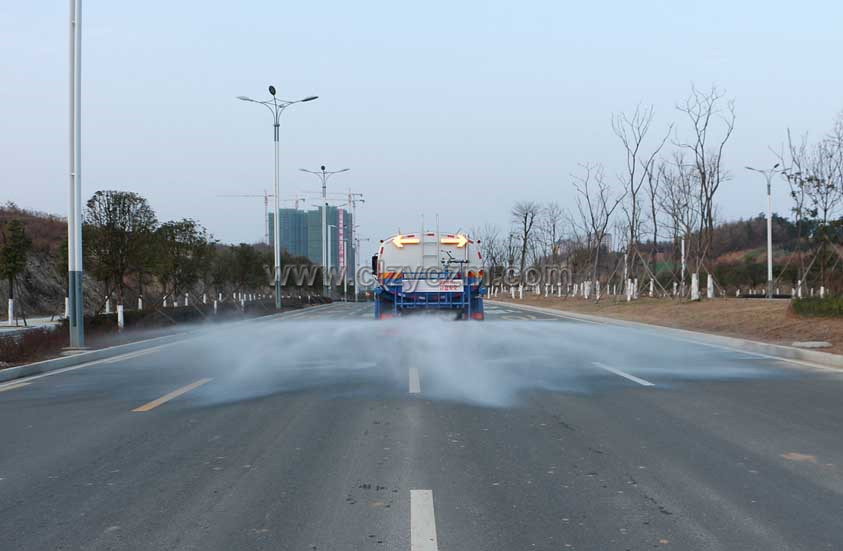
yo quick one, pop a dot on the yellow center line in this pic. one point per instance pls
(12, 387)
(167, 397)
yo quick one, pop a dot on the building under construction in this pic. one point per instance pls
(301, 235)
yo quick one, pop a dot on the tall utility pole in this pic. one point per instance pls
(353, 199)
(276, 106)
(76, 320)
(329, 257)
(768, 176)
(324, 175)
(357, 241)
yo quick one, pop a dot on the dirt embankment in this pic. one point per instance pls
(757, 319)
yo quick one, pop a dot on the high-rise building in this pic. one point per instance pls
(301, 235)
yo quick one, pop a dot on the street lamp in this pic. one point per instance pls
(768, 176)
(276, 106)
(324, 175)
(76, 306)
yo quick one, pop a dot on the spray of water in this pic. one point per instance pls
(489, 364)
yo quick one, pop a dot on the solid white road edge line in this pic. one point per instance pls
(638, 380)
(652, 328)
(415, 385)
(422, 521)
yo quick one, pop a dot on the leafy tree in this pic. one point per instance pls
(184, 251)
(14, 249)
(249, 268)
(119, 226)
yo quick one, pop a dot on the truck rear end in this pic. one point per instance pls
(429, 272)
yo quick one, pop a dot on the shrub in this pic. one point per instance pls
(818, 307)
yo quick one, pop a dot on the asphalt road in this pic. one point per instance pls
(325, 430)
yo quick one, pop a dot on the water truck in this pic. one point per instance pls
(429, 272)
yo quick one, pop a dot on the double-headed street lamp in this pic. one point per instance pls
(276, 106)
(324, 175)
(768, 175)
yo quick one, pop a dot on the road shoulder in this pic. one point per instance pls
(808, 358)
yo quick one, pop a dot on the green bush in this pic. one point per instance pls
(819, 307)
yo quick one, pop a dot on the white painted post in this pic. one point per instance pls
(738, 292)
(121, 322)
(651, 288)
(204, 298)
(709, 292)
(799, 289)
(107, 305)
(597, 290)
(11, 311)
(559, 290)
(165, 301)
(186, 299)
(242, 304)
(674, 288)
(625, 268)
(219, 297)
(635, 289)
(215, 307)
(512, 292)
(822, 291)
(695, 286)
(140, 303)
(520, 291)
(546, 290)
(777, 290)
(66, 307)
(812, 291)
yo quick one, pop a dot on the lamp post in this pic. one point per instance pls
(323, 174)
(74, 215)
(768, 176)
(276, 106)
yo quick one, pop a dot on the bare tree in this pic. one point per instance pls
(524, 215)
(490, 246)
(679, 200)
(824, 189)
(550, 230)
(655, 175)
(595, 204)
(712, 119)
(632, 131)
(794, 162)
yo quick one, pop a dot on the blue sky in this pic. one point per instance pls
(455, 108)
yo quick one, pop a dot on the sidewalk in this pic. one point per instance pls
(5, 328)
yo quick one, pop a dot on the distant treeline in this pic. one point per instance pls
(128, 254)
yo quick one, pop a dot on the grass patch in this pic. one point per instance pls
(828, 307)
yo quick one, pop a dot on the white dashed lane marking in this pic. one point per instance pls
(633, 378)
(422, 521)
(415, 385)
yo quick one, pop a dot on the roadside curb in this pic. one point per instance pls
(777, 351)
(53, 364)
